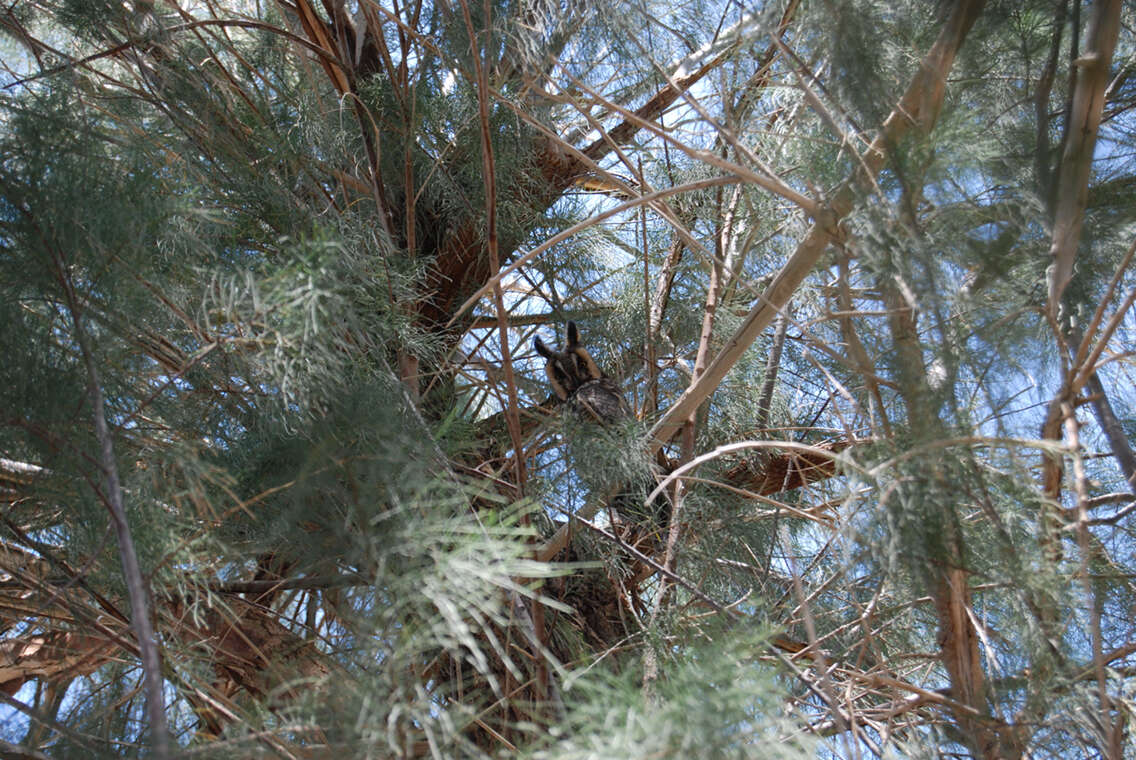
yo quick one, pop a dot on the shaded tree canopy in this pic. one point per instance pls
(835, 461)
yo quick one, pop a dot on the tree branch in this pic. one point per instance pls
(1084, 122)
(918, 108)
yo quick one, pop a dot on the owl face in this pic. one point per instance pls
(576, 378)
(569, 369)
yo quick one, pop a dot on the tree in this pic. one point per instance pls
(271, 276)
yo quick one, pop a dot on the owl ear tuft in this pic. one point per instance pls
(542, 349)
(573, 336)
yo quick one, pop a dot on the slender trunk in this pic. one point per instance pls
(1042, 168)
(1117, 438)
(772, 362)
(112, 497)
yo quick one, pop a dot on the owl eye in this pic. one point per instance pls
(559, 380)
(585, 365)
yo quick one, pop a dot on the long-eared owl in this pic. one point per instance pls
(576, 379)
(594, 397)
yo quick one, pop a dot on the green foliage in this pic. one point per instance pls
(318, 466)
(714, 702)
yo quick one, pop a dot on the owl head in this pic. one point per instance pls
(576, 378)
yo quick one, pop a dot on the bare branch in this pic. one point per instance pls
(917, 109)
(1084, 121)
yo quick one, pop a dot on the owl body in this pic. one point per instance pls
(601, 400)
